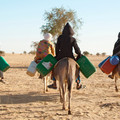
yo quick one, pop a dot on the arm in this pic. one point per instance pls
(77, 50)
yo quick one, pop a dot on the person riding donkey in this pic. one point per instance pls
(64, 48)
(44, 48)
(116, 51)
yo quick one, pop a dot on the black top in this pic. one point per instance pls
(117, 45)
(66, 43)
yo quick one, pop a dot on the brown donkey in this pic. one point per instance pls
(66, 71)
(116, 74)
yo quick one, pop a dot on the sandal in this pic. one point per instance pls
(40, 77)
(53, 86)
(80, 86)
(110, 76)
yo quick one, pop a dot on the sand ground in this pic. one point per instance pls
(22, 96)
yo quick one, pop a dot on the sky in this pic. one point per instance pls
(20, 22)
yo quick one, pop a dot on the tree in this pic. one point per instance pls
(13, 52)
(34, 45)
(32, 52)
(24, 52)
(97, 54)
(56, 20)
(103, 54)
(86, 53)
(2, 53)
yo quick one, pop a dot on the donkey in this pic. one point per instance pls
(66, 72)
(116, 73)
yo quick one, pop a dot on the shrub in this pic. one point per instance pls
(86, 53)
(24, 52)
(97, 54)
(103, 54)
(32, 52)
(2, 53)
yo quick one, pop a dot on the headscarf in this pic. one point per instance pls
(48, 36)
(68, 31)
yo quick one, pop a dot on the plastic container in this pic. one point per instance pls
(114, 60)
(86, 66)
(107, 67)
(103, 61)
(4, 66)
(32, 69)
(46, 65)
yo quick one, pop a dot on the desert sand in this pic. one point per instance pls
(22, 97)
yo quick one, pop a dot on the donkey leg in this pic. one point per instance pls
(63, 99)
(47, 78)
(116, 89)
(69, 111)
(63, 94)
(44, 79)
(60, 89)
(69, 95)
(65, 88)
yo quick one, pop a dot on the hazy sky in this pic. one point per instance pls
(20, 22)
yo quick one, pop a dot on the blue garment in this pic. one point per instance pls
(54, 79)
(78, 79)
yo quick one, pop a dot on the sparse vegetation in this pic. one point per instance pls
(24, 52)
(32, 52)
(34, 45)
(97, 54)
(103, 54)
(85, 53)
(56, 20)
(2, 53)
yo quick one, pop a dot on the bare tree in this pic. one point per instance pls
(34, 45)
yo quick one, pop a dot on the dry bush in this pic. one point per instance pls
(2, 53)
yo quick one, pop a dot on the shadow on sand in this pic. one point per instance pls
(27, 98)
(20, 67)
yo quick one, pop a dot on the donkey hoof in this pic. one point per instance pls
(61, 100)
(116, 90)
(69, 112)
